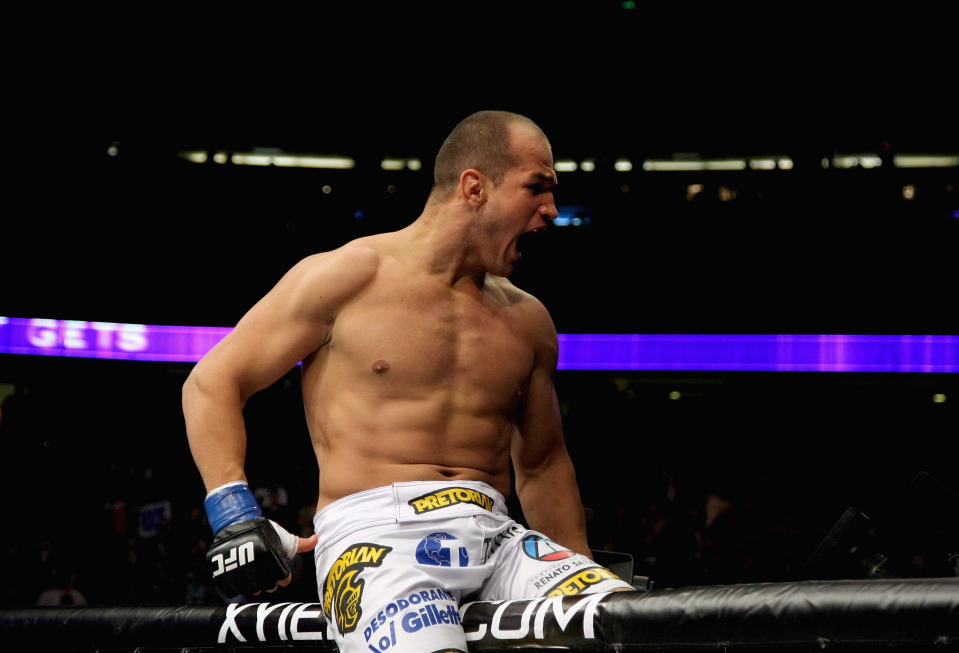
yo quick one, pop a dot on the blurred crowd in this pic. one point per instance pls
(148, 554)
(154, 554)
(115, 516)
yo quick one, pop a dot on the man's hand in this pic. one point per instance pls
(250, 554)
(254, 555)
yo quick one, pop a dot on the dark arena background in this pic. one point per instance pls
(726, 174)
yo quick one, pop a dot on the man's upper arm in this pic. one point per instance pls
(539, 437)
(289, 322)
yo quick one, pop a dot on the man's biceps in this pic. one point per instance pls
(272, 337)
(267, 363)
(541, 416)
(245, 368)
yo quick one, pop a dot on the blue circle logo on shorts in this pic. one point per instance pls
(542, 549)
(442, 550)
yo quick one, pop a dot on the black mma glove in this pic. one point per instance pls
(250, 554)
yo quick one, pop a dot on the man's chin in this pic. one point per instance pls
(503, 271)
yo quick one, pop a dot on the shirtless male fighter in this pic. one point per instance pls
(424, 373)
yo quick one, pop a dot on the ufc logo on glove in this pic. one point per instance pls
(236, 557)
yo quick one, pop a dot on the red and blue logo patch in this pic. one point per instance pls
(540, 548)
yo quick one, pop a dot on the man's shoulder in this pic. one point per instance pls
(362, 251)
(358, 258)
(534, 312)
(512, 293)
(335, 275)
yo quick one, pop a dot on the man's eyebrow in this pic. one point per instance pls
(548, 177)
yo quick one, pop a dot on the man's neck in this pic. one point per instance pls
(438, 241)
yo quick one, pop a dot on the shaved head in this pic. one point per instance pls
(481, 141)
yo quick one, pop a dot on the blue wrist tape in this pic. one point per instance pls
(230, 504)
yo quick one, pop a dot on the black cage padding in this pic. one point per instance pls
(906, 614)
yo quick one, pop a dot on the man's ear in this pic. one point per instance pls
(473, 187)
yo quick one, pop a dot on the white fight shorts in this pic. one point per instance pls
(393, 564)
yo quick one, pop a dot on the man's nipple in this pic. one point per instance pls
(380, 366)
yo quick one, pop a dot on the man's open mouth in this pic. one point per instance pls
(527, 240)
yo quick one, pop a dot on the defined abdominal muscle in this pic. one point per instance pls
(354, 459)
(338, 480)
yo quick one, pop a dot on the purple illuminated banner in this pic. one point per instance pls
(580, 351)
(759, 352)
(140, 342)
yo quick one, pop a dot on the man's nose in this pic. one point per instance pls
(542, 220)
(548, 210)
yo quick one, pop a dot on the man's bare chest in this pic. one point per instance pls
(427, 337)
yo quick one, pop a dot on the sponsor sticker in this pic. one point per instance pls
(551, 575)
(343, 589)
(272, 622)
(581, 581)
(450, 496)
(566, 622)
(442, 550)
(540, 548)
(411, 614)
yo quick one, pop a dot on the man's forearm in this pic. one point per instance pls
(216, 432)
(552, 505)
